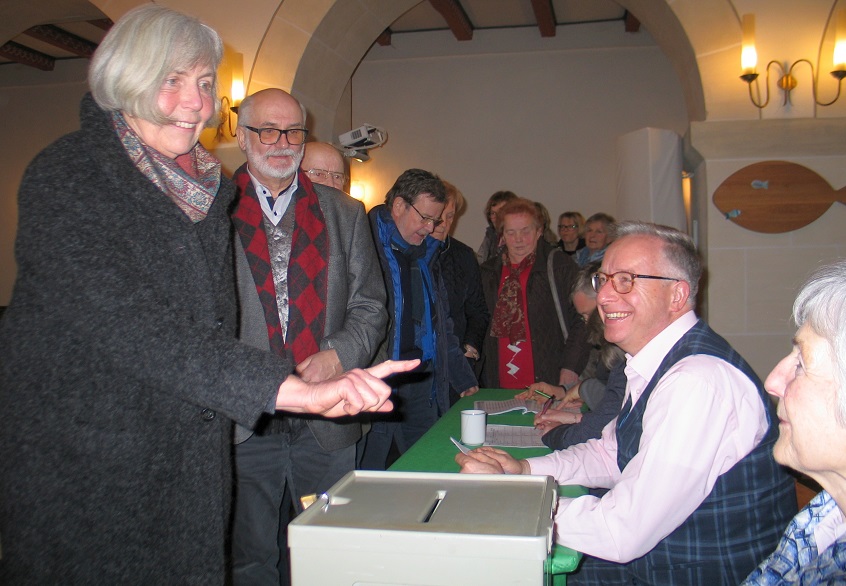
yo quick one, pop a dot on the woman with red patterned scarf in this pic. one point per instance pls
(525, 286)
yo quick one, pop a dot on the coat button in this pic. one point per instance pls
(208, 414)
(219, 323)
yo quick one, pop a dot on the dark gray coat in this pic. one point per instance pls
(120, 376)
(551, 352)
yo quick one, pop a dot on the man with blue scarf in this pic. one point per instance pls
(419, 325)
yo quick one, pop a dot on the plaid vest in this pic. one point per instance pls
(741, 520)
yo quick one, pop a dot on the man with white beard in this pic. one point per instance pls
(309, 285)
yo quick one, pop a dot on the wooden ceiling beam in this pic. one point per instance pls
(455, 17)
(62, 39)
(27, 56)
(102, 23)
(545, 15)
(384, 39)
(632, 23)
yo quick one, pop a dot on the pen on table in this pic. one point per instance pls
(546, 405)
(542, 394)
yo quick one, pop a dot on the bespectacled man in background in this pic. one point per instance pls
(324, 164)
(419, 325)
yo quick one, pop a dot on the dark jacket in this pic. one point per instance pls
(120, 376)
(463, 282)
(450, 366)
(551, 353)
(579, 245)
(489, 247)
(595, 420)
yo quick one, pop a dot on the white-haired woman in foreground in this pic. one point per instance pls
(811, 386)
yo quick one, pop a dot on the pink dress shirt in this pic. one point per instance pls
(703, 416)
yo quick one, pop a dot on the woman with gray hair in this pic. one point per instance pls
(121, 375)
(810, 384)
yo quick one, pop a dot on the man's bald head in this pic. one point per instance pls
(324, 164)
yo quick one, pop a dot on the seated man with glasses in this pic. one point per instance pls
(419, 325)
(324, 164)
(309, 288)
(694, 495)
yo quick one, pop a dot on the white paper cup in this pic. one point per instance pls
(473, 427)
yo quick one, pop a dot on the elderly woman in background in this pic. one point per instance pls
(463, 283)
(810, 384)
(599, 232)
(535, 333)
(121, 376)
(490, 246)
(571, 226)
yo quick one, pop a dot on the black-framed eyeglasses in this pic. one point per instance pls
(622, 281)
(269, 136)
(567, 226)
(324, 174)
(426, 219)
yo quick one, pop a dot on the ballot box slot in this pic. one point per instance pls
(438, 500)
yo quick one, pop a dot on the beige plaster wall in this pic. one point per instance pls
(513, 111)
(754, 277)
(37, 108)
(786, 31)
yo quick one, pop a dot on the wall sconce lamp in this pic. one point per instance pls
(787, 82)
(229, 104)
(358, 190)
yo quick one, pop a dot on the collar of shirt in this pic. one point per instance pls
(280, 204)
(830, 528)
(641, 367)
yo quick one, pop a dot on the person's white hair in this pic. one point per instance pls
(142, 48)
(679, 251)
(822, 305)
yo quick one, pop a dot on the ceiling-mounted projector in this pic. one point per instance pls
(364, 137)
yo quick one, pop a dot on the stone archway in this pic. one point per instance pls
(346, 31)
(319, 63)
(312, 47)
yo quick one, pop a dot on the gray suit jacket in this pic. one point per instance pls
(356, 317)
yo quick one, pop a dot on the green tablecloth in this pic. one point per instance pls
(434, 452)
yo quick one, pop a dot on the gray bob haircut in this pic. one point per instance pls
(822, 305)
(679, 251)
(584, 280)
(143, 47)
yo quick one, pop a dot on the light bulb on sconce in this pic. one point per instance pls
(358, 190)
(237, 94)
(229, 104)
(787, 82)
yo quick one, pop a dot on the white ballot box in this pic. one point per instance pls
(425, 529)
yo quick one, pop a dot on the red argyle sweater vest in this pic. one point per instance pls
(308, 268)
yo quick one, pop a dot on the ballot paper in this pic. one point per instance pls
(499, 407)
(464, 449)
(513, 436)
